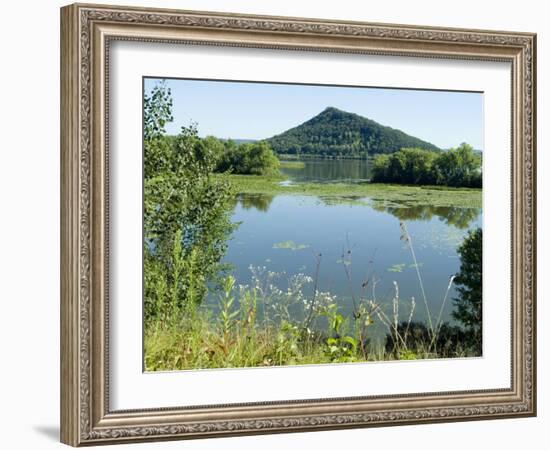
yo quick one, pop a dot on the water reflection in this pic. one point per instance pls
(459, 217)
(283, 234)
(329, 170)
(259, 202)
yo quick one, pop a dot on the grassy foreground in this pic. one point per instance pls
(198, 342)
(244, 334)
(377, 192)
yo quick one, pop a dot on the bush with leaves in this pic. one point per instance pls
(248, 159)
(459, 167)
(186, 211)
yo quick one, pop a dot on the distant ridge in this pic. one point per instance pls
(334, 132)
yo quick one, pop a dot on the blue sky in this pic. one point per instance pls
(242, 110)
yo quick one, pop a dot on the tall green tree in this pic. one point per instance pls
(157, 112)
(186, 211)
(458, 167)
(468, 305)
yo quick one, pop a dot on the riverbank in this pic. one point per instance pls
(405, 195)
(202, 343)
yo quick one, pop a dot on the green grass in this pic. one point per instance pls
(377, 192)
(245, 332)
(199, 341)
(199, 344)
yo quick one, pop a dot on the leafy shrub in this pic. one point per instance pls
(248, 159)
(459, 167)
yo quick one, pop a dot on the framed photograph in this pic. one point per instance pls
(276, 224)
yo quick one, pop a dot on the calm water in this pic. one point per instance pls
(287, 233)
(327, 170)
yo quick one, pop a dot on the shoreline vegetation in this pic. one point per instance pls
(456, 167)
(406, 195)
(190, 186)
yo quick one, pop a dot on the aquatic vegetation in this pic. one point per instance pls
(290, 245)
(378, 193)
(397, 267)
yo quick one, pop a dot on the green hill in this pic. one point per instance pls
(334, 132)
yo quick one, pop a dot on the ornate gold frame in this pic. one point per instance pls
(86, 31)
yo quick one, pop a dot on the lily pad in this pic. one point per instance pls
(290, 245)
(396, 268)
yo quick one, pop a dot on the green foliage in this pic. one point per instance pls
(341, 347)
(248, 159)
(468, 304)
(186, 211)
(338, 133)
(247, 331)
(228, 314)
(459, 167)
(417, 340)
(157, 112)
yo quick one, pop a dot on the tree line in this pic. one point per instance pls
(457, 167)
